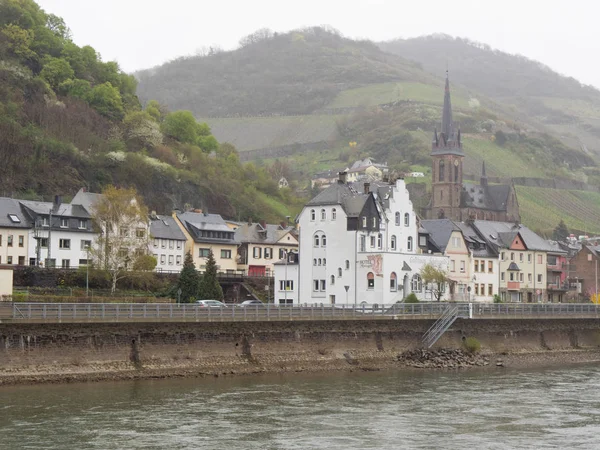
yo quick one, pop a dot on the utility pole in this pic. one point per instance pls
(285, 284)
(49, 239)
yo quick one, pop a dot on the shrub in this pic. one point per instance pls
(497, 299)
(411, 298)
(472, 345)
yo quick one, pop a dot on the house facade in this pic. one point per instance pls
(205, 232)
(15, 228)
(584, 273)
(286, 272)
(167, 243)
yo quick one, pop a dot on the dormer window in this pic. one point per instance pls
(374, 222)
(14, 218)
(64, 223)
(45, 222)
(82, 224)
(364, 222)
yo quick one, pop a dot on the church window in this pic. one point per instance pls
(441, 195)
(442, 169)
(456, 174)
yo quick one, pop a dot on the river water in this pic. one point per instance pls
(550, 408)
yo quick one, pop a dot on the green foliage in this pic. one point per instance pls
(105, 98)
(209, 288)
(561, 232)
(189, 280)
(145, 263)
(472, 345)
(497, 299)
(56, 71)
(182, 126)
(436, 277)
(411, 298)
(500, 138)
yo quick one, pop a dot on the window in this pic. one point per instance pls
(370, 281)
(490, 266)
(323, 214)
(64, 223)
(85, 245)
(529, 258)
(178, 245)
(203, 252)
(393, 282)
(1, 241)
(156, 243)
(452, 265)
(406, 219)
(315, 285)
(64, 244)
(456, 242)
(282, 253)
(21, 260)
(476, 289)
(456, 174)
(323, 285)
(163, 243)
(339, 271)
(225, 254)
(45, 222)
(364, 222)
(65, 263)
(171, 243)
(171, 260)
(379, 239)
(332, 280)
(363, 243)
(286, 285)
(416, 283)
(320, 262)
(397, 215)
(529, 278)
(43, 242)
(422, 241)
(21, 240)
(521, 277)
(502, 256)
(539, 278)
(178, 260)
(315, 262)
(268, 253)
(83, 262)
(14, 218)
(512, 256)
(316, 240)
(323, 241)
(324, 261)
(140, 233)
(333, 214)
(441, 169)
(393, 243)
(347, 265)
(374, 222)
(520, 257)
(540, 259)
(502, 276)
(409, 244)
(124, 232)
(313, 215)
(9, 260)
(490, 289)
(9, 240)
(82, 224)
(257, 252)
(372, 241)
(476, 266)
(163, 259)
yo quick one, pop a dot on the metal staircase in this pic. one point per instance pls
(440, 326)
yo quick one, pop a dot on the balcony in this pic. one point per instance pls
(513, 286)
(556, 266)
(558, 286)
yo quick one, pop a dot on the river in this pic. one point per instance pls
(547, 408)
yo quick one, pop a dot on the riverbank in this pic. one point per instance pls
(51, 353)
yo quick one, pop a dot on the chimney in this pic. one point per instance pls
(57, 201)
(367, 187)
(283, 225)
(263, 224)
(342, 177)
(153, 215)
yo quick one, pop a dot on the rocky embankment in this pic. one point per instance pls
(442, 359)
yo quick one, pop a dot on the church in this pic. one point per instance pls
(453, 199)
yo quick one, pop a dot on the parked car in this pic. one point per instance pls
(210, 304)
(251, 303)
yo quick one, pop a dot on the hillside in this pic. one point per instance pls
(69, 119)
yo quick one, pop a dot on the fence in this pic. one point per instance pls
(157, 312)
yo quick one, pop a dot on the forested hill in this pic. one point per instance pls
(292, 73)
(69, 119)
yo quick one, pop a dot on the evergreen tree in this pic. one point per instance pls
(210, 289)
(189, 280)
(561, 232)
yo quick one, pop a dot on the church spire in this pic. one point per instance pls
(447, 112)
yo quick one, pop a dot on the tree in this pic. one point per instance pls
(561, 232)
(436, 277)
(182, 126)
(210, 289)
(105, 99)
(500, 138)
(189, 280)
(122, 220)
(145, 263)
(56, 71)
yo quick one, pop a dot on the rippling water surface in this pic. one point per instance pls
(552, 408)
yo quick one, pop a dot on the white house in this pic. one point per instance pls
(61, 235)
(15, 228)
(167, 243)
(360, 245)
(286, 273)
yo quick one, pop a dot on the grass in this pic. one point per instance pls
(542, 209)
(377, 94)
(282, 210)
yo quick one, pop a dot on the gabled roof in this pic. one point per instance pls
(492, 197)
(440, 231)
(165, 227)
(11, 208)
(502, 234)
(61, 210)
(86, 199)
(343, 194)
(478, 246)
(197, 222)
(255, 233)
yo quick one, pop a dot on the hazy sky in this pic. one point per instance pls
(144, 33)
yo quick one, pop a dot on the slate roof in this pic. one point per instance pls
(501, 235)
(256, 234)
(62, 210)
(351, 200)
(196, 222)
(440, 231)
(478, 246)
(9, 206)
(165, 227)
(492, 197)
(86, 199)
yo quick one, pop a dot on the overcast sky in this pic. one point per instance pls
(144, 33)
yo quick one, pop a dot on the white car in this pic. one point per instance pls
(210, 304)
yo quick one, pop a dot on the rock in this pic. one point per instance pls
(500, 364)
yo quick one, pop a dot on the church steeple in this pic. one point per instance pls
(447, 127)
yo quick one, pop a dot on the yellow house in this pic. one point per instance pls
(205, 232)
(14, 233)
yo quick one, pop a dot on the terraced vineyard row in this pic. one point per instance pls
(542, 209)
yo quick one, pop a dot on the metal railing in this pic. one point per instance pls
(440, 326)
(158, 312)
